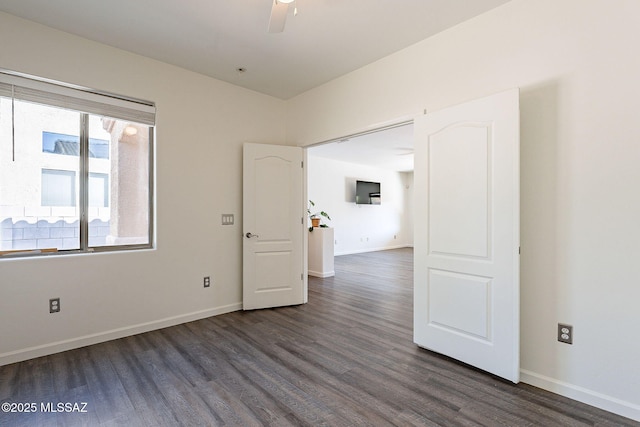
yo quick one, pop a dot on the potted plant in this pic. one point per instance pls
(316, 217)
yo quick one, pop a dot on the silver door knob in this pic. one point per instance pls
(250, 235)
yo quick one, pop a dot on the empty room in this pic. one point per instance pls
(155, 167)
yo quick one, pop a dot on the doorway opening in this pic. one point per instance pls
(335, 169)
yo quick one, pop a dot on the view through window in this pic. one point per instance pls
(72, 180)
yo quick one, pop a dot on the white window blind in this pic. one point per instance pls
(78, 99)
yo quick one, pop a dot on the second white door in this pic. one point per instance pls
(466, 277)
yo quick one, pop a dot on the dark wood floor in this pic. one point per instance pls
(345, 358)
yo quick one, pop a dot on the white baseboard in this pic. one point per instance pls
(590, 397)
(321, 274)
(70, 344)
(363, 251)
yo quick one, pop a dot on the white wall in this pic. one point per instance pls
(577, 66)
(359, 228)
(201, 125)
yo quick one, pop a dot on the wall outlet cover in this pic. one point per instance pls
(565, 333)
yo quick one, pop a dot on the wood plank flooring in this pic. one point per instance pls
(344, 359)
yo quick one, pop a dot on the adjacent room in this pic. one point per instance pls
(142, 263)
(383, 157)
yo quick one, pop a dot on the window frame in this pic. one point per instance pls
(87, 102)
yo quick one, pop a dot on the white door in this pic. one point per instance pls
(467, 233)
(273, 226)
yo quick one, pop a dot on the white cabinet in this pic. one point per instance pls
(321, 252)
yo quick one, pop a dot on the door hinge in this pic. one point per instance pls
(518, 250)
(302, 220)
(302, 164)
(301, 276)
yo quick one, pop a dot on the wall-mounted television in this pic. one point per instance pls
(367, 193)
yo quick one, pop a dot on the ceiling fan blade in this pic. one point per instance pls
(278, 16)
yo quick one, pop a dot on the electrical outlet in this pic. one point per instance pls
(565, 333)
(207, 281)
(54, 305)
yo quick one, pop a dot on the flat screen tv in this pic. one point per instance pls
(367, 193)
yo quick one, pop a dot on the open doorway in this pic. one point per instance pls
(336, 169)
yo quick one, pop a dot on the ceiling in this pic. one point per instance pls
(327, 38)
(390, 149)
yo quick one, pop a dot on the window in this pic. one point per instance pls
(69, 145)
(76, 168)
(58, 188)
(98, 190)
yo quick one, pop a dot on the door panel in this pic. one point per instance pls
(458, 190)
(272, 226)
(459, 303)
(466, 282)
